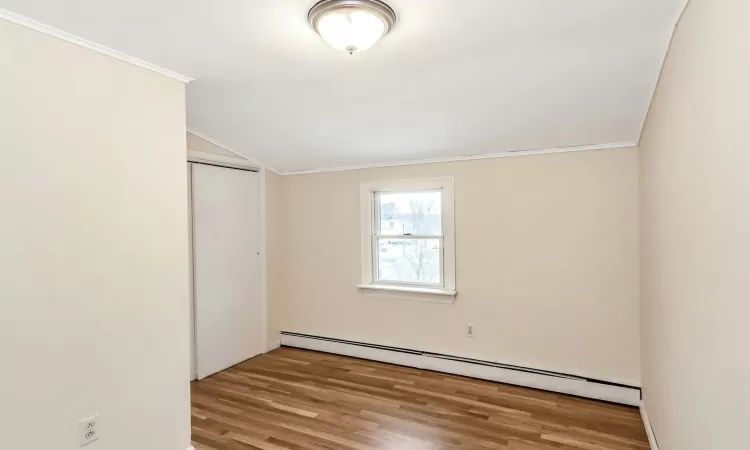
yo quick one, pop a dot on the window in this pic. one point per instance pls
(407, 236)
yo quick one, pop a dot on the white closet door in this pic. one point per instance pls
(190, 259)
(226, 239)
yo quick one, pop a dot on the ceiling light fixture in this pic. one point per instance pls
(352, 25)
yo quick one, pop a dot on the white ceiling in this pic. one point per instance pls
(453, 78)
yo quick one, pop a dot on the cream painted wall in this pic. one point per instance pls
(547, 264)
(696, 234)
(94, 291)
(199, 144)
(276, 238)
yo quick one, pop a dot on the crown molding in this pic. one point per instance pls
(73, 39)
(508, 154)
(239, 154)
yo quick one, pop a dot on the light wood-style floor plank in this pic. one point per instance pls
(296, 399)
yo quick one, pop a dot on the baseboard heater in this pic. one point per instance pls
(485, 370)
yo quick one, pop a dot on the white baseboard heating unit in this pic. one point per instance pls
(485, 370)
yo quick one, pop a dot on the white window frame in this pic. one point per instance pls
(368, 205)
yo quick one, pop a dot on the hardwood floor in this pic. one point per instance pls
(298, 399)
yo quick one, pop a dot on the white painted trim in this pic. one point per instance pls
(508, 154)
(367, 198)
(191, 448)
(649, 430)
(274, 345)
(410, 290)
(565, 385)
(239, 154)
(213, 158)
(73, 39)
(263, 262)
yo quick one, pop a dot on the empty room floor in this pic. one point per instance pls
(298, 399)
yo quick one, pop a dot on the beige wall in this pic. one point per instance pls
(199, 144)
(696, 234)
(93, 291)
(547, 264)
(276, 238)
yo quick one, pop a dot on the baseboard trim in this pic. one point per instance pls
(274, 345)
(485, 370)
(649, 430)
(191, 448)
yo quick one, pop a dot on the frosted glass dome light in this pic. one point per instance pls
(352, 25)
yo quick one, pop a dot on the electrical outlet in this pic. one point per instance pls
(88, 432)
(470, 330)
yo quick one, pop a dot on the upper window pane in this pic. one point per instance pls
(417, 213)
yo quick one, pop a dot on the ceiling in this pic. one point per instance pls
(453, 78)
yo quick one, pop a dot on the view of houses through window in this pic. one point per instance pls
(408, 237)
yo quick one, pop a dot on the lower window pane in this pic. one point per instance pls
(409, 260)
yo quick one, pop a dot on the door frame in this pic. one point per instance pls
(229, 162)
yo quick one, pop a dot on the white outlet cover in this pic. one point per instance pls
(88, 430)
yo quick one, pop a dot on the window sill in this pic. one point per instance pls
(446, 295)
